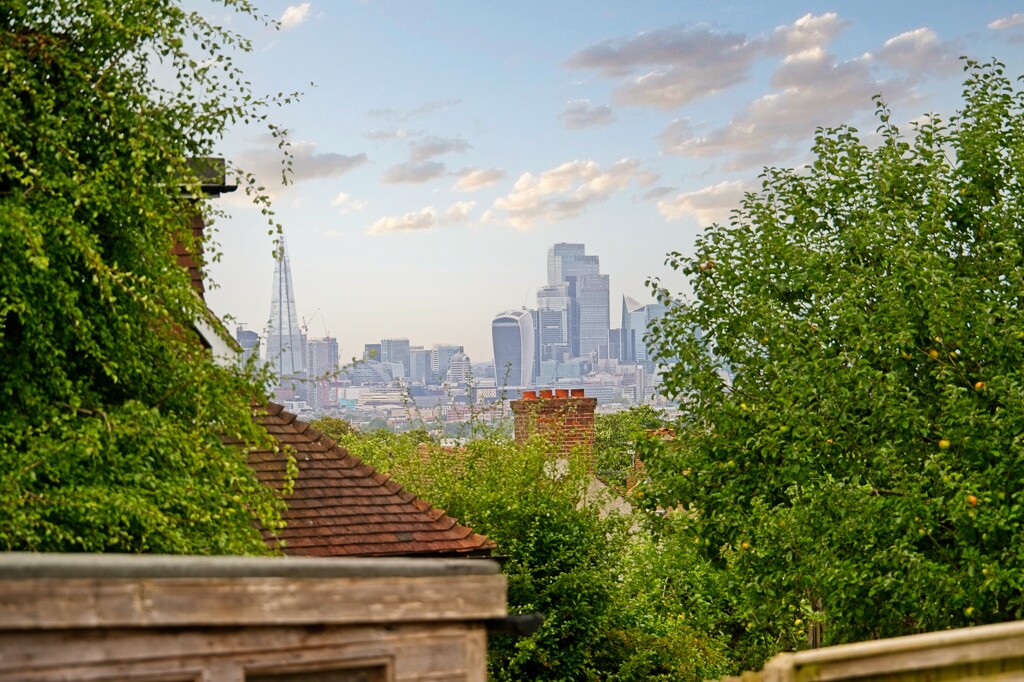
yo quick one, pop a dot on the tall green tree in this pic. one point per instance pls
(112, 413)
(863, 474)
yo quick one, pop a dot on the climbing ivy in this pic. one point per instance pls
(112, 413)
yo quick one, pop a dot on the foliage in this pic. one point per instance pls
(863, 471)
(604, 615)
(615, 437)
(111, 410)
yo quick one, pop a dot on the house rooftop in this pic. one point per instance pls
(342, 507)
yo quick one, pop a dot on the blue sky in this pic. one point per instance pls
(444, 146)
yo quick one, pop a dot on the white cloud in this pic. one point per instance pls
(414, 172)
(391, 134)
(294, 15)
(458, 212)
(423, 109)
(581, 113)
(346, 204)
(264, 161)
(436, 146)
(806, 33)
(706, 206)
(919, 52)
(1012, 21)
(423, 220)
(672, 67)
(812, 90)
(414, 221)
(669, 67)
(474, 179)
(565, 191)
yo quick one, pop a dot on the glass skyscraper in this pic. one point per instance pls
(588, 311)
(285, 347)
(513, 337)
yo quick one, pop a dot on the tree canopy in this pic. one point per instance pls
(862, 475)
(112, 413)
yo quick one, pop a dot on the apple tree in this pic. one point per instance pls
(863, 474)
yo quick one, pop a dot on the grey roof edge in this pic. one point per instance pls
(36, 566)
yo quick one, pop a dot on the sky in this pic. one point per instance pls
(440, 148)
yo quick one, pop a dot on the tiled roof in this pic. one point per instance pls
(342, 507)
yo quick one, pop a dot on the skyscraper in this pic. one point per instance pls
(636, 317)
(592, 294)
(397, 351)
(553, 316)
(285, 348)
(514, 340)
(419, 365)
(322, 356)
(587, 292)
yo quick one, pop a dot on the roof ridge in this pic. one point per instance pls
(381, 517)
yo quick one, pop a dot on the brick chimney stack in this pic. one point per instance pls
(565, 420)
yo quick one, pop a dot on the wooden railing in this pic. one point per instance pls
(989, 652)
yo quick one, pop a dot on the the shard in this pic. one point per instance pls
(285, 348)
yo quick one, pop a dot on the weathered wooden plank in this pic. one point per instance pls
(171, 602)
(985, 652)
(452, 651)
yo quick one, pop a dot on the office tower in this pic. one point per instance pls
(587, 291)
(285, 349)
(460, 369)
(440, 359)
(322, 358)
(371, 351)
(553, 316)
(249, 341)
(397, 351)
(419, 365)
(592, 294)
(636, 317)
(614, 335)
(514, 341)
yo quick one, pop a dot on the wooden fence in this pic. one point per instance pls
(989, 652)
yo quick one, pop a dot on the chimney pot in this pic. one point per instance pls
(529, 395)
(561, 393)
(545, 393)
(577, 393)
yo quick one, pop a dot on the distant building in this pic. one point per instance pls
(440, 358)
(554, 317)
(249, 341)
(592, 294)
(396, 350)
(367, 373)
(636, 318)
(322, 356)
(460, 369)
(372, 351)
(614, 336)
(513, 339)
(586, 289)
(285, 347)
(420, 365)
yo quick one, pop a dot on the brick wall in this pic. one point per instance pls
(564, 419)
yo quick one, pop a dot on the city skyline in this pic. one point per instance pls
(445, 145)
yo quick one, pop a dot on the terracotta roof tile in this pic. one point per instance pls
(342, 507)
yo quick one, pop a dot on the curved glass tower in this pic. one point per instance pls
(513, 338)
